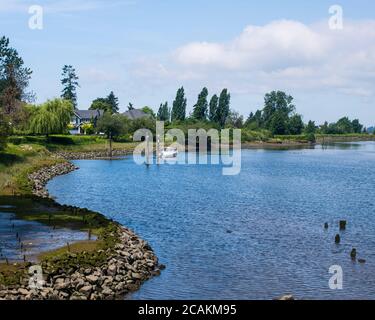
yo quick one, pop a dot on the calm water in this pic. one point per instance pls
(253, 236)
(34, 236)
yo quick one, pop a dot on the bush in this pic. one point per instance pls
(311, 137)
(124, 138)
(251, 136)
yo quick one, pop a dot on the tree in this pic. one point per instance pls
(278, 124)
(357, 127)
(235, 120)
(149, 111)
(310, 131)
(109, 104)
(276, 101)
(164, 113)
(88, 128)
(324, 129)
(213, 108)
(344, 125)
(70, 84)
(112, 125)
(14, 79)
(254, 121)
(223, 108)
(4, 130)
(179, 106)
(201, 108)
(113, 102)
(101, 104)
(295, 124)
(52, 117)
(130, 106)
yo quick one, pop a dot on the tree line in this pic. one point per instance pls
(278, 116)
(217, 110)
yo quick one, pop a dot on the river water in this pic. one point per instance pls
(256, 235)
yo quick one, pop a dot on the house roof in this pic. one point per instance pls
(88, 114)
(135, 114)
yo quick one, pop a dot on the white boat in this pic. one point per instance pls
(169, 153)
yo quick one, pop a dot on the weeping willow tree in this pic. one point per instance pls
(52, 117)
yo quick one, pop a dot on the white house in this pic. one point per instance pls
(81, 117)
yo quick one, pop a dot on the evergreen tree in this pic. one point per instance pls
(14, 79)
(70, 83)
(201, 108)
(179, 106)
(223, 108)
(113, 102)
(164, 113)
(213, 108)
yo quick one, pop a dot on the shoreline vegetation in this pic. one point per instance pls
(114, 264)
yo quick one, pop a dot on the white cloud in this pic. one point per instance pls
(280, 43)
(282, 54)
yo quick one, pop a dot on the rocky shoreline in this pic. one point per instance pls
(110, 273)
(92, 155)
(124, 268)
(40, 178)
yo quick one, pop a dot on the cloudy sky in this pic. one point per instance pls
(144, 50)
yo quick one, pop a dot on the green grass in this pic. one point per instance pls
(11, 274)
(69, 143)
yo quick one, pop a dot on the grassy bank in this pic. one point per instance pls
(24, 155)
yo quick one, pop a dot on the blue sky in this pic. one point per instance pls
(144, 50)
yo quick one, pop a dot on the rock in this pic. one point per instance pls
(353, 254)
(137, 276)
(62, 284)
(63, 295)
(78, 296)
(131, 287)
(80, 284)
(87, 271)
(326, 226)
(162, 267)
(112, 270)
(92, 279)
(86, 290)
(23, 291)
(107, 291)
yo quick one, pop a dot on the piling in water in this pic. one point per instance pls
(337, 239)
(343, 225)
